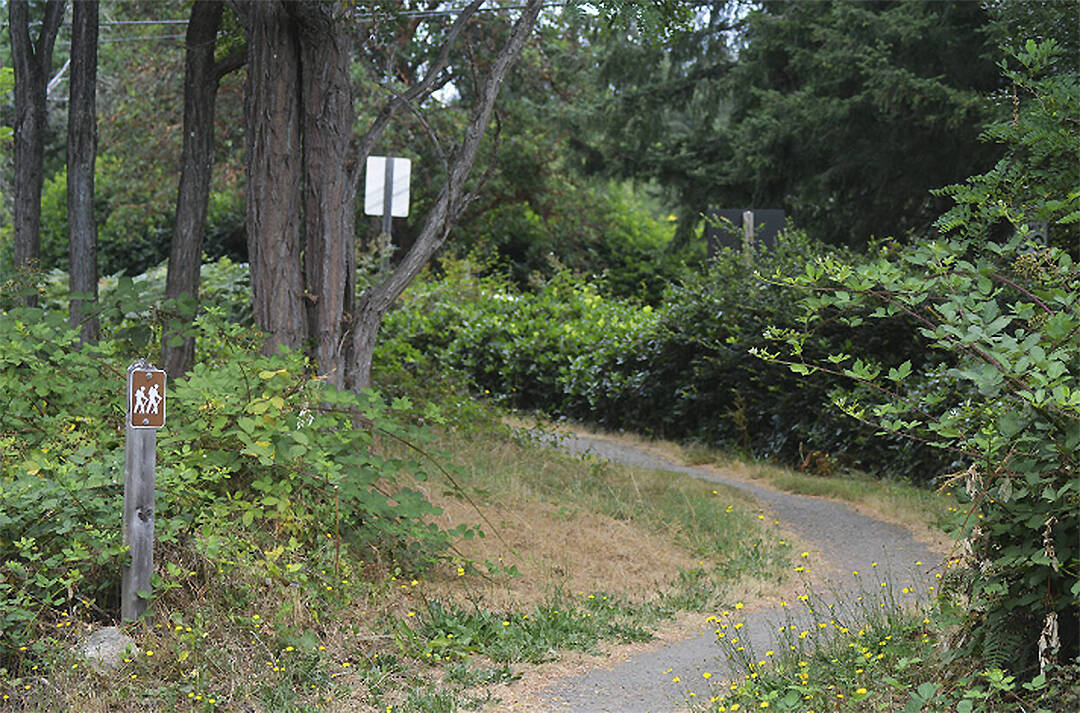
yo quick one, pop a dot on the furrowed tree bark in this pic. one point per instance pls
(448, 206)
(329, 192)
(31, 62)
(272, 118)
(81, 155)
(202, 75)
(298, 118)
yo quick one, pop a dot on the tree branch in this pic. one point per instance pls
(437, 224)
(396, 103)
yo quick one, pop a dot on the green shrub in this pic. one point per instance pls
(1007, 312)
(133, 232)
(682, 370)
(694, 376)
(516, 346)
(600, 231)
(255, 452)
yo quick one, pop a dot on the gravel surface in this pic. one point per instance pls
(847, 540)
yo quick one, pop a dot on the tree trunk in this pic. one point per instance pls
(272, 119)
(329, 193)
(201, 79)
(31, 63)
(299, 50)
(81, 154)
(448, 206)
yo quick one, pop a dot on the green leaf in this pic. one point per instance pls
(1010, 423)
(900, 373)
(927, 690)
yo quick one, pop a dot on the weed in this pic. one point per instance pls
(872, 654)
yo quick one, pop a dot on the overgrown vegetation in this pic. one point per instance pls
(302, 558)
(954, 354)
(870, 653)
(1007, 311)
(250, 438)
(316, 551)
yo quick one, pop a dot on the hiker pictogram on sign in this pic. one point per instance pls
(146, 398)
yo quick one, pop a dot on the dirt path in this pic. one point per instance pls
(662, 679)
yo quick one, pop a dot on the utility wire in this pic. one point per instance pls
(363, 19)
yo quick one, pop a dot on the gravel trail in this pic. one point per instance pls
(847, 541)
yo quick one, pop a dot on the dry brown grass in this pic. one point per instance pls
(554, 548)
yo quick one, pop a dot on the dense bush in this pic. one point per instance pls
(133, 232)
(683, 369)
(516, 346)
(1008, 313)
(695, 377)
(255, 453)
(605, 232)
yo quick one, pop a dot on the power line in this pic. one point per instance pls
(143, 22)
(367, 17)
(363, 19)
(147, 38)
(450, 11)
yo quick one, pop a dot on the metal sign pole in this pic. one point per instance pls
(145, 414)
(387, 218)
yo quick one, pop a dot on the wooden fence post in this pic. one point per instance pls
(145, 414)
(748, 237)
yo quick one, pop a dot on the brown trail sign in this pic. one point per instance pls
(146, 397)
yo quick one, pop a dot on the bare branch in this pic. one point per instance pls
(439, 219)
(396, 103)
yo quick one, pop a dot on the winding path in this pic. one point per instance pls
(847, 540)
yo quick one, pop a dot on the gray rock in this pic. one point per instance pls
(105, 649)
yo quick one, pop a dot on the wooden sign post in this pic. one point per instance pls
(145, 414)
(748, 237)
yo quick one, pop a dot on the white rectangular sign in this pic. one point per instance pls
(399, 172)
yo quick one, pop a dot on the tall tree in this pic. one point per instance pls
(202, 75)
(843, 113)
(656, 107)
(81, 154)
(299, 163)
(329, 193)
(32, 60)
(848, 114)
